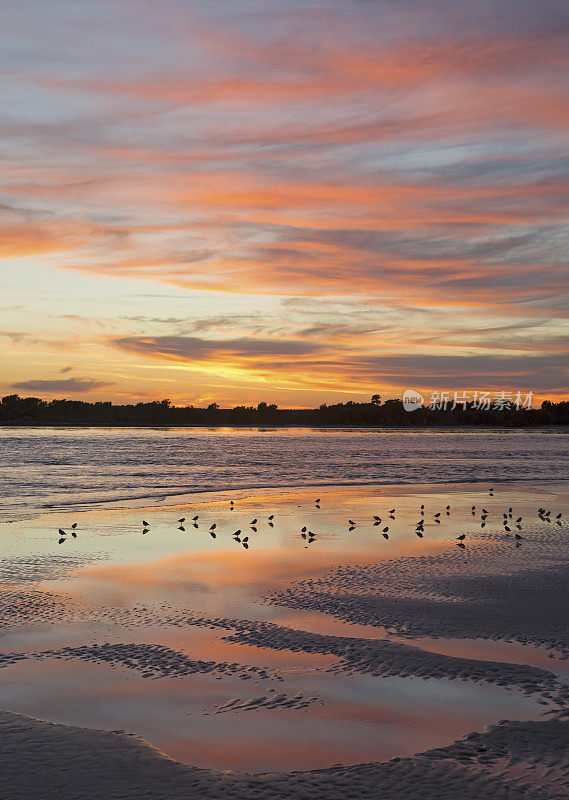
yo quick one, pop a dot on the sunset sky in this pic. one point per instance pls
(291, 201)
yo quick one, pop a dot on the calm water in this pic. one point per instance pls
(118, 583)
(43, 467)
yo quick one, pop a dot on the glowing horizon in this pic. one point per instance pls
(298, 203)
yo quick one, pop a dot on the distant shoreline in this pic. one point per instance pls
(287, 426)
(32, 411)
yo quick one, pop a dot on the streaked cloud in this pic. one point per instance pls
(328, 196)
(67, 385)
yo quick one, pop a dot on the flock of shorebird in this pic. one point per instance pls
(508, 522)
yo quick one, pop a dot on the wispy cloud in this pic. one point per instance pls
(64, 386)
(404, 162)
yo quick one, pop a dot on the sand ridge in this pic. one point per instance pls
(511, 761)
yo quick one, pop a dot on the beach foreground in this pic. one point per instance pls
(290, 667)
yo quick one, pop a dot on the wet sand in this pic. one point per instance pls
(294, 654)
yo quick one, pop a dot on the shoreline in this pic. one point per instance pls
(201, 495)
(286, 426)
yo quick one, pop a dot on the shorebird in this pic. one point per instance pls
(195, 519)
(438, 514)
(385, 535)
(303, 529)
(213, 526)
(378, 519)
(182, 520)
(386, 529)
(62, 532)
(212, 534)
(63, 539)
(75, 524)
(517, 535)
(392, 511)
(351, 522)
(271, 518)
(146, 524)
(317, 500)
(253, 521)
(461, 537)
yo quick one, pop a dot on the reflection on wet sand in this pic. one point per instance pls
(136, 579)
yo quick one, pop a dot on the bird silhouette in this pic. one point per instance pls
(253, 521)
(182, 520)
(146, 524)
(75, 524)
(461, 537)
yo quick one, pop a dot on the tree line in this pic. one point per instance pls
(16, 410)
